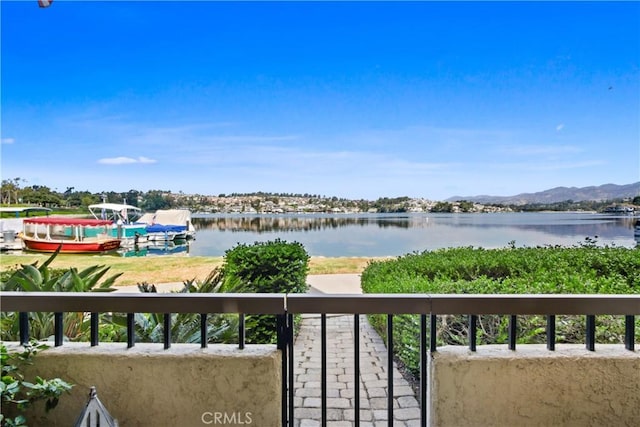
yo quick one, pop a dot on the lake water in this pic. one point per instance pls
(373, 235)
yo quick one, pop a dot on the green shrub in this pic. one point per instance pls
(266, 267)
(584, 269)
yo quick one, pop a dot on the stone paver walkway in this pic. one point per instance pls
(340, 373)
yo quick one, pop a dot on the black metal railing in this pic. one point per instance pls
(428, 307)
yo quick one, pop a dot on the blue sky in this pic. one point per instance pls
(358, 99)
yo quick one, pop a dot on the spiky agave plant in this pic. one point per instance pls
(185, 327)
(43, 278)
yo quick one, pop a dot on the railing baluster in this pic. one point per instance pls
(166, 331)
(290, 336)
(629, 332)
(433, 344)
(281, 333)
(390, 369)
(23, 319)
(473, 332)
(58, 329)
(551, 332)
(356, 368)
(323, 368)
(513, 331)
(204, 339)
(591, 332)
(423, 370)
(95, 322)
(131, 330)
(241, 333)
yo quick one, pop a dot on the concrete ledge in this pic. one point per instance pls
(534, 387)
(149, 386)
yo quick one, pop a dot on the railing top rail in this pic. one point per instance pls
(142, 303)
(359, 303)
(540, 304)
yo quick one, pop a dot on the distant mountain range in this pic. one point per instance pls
(561, 194)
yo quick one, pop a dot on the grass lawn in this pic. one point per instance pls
(164, 269)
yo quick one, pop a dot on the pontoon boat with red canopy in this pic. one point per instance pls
(46, 234)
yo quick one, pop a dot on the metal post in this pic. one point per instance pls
(241, 333)
(423, 370)
(629, 324)
(58, 329)
(513, 331)
(166, 331)
(551, 332)
(433, 344)
(290, 336)
(323, 368)
(473, 332)
(131, 330)
(356, 368)
(23, 319)
(390, 369)
(204, 339)
(281, 339)
(95, 321)
(591, 332)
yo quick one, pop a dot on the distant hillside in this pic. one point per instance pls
(561, 194)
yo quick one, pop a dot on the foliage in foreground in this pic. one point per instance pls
(43, 278)
(185, 327)
(266, 267)
(584, 269)
(17, 393)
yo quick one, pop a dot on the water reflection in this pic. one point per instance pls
(398, 234)
(284, 223)
(176, 247)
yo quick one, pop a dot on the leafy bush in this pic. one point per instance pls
(266, 267)
(18, 394)
(584, 269)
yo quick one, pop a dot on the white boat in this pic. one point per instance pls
(123, 217)
(169, 225)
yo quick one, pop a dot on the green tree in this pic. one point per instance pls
(41, 195)
(156, 199)
(10, 190)
(442, 207)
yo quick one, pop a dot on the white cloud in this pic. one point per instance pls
(125, 160)
(560, 127)
(7, 140)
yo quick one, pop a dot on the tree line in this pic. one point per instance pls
(14, 193)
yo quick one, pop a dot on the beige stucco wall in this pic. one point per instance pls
(183, 386)
(535, 387)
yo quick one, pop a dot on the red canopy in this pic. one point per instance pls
(47, 220)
